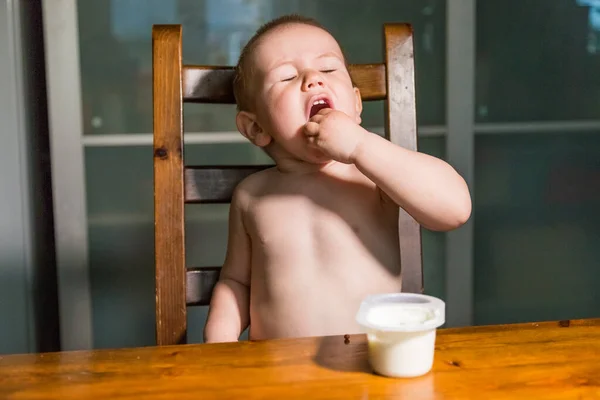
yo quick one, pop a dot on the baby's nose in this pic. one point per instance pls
(313, 80)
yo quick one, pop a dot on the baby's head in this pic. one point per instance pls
(290, 64)
(242, 84)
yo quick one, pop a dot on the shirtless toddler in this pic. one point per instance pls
(312, 236)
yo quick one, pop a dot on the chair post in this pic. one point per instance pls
(169, 236)
(402, 130)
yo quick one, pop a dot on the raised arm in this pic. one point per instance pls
(428, 188)
(228, 314)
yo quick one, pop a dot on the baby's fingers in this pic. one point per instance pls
(317, 118)
(311, 128)
(324, 111)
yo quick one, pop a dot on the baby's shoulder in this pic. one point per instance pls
(253, 186)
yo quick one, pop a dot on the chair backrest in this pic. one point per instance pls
(176, 184)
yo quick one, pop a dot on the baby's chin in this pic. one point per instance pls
(312, 156)
(317, 157)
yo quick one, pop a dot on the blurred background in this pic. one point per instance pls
(507, 91)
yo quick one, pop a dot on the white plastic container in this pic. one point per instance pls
(401, 330)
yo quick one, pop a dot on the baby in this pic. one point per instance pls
(311, 237)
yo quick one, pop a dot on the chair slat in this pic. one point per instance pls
(200, 283)
(210, 84)
(370, 79)
(215, 185)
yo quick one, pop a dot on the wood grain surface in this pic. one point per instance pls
(551, 360)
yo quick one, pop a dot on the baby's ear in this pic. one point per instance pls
(251, 129)
(358, 105)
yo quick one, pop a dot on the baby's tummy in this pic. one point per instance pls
(302, 313)
(311, 298)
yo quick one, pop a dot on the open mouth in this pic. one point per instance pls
(318, 105)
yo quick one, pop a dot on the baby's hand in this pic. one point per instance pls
(335, 134)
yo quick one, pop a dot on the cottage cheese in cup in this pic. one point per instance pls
(401, 329)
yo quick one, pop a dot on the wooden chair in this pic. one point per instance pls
(176, 184)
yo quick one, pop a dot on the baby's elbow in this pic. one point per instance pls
(463, 212)
(462, 205)
(460, 215)
(453, 218)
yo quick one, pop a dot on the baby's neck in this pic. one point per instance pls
(295, 166)
(289, 164)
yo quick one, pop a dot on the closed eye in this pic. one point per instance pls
(288, 79)
(328, 71)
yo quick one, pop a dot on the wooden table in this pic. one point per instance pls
(553, 360)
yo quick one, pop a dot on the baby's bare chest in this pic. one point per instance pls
(332, 219)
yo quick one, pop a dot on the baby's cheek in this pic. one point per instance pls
(280, 109)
